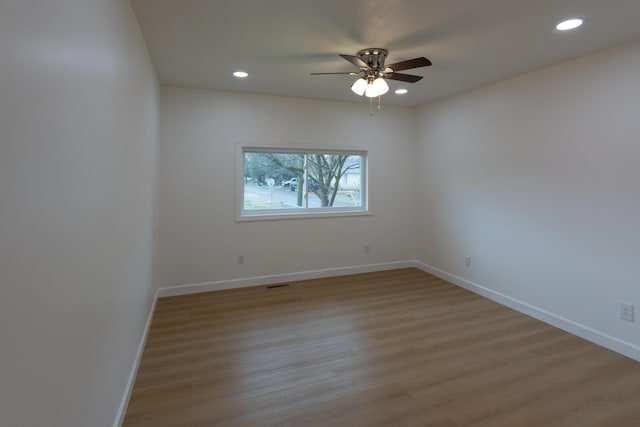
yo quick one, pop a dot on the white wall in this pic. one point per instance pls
(78, 127)
(536, 178)
(198, 238)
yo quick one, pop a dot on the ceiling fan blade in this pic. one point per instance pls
(408, 64)
(351, 73)
(355, 61)
(409, 78)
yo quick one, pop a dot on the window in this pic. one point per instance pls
(284, 183)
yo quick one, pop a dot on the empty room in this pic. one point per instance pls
(319, 213)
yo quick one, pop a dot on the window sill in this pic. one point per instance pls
(302, 215)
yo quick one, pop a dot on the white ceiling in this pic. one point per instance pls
(199, 43)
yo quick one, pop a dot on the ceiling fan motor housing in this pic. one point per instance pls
(374, 58)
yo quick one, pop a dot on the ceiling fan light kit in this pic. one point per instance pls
(359, 86)
(373, 71)
(376, 88)
(370, 87)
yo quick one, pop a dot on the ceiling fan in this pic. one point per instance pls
(373, 71)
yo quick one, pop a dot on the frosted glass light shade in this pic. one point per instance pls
(377, 88)
(359, 86)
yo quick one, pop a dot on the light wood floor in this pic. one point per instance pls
(396, 348)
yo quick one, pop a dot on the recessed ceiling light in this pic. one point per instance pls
(401, 91)
(240, 74)
(569, 24)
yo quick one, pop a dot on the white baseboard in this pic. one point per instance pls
(279, 278)
(122, 409)
(612, 343)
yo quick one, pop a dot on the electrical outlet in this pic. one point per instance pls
(467, 261)
(240, 259)
(626, 311)
(367, 249)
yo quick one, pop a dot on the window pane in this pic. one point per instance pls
(277, 183)
(270, 181)
(350, 183)
(335, 180)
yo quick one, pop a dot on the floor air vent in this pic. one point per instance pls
(280, 285)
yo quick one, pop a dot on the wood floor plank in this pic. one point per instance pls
(394, 348)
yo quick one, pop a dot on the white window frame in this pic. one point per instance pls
(273, 214)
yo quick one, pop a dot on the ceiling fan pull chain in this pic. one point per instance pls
(371, 106)
(379, 96)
